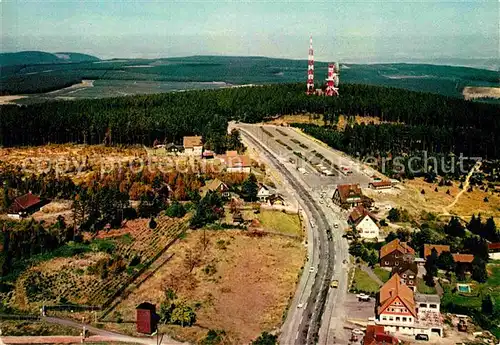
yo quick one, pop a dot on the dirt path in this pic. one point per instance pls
(464, 189)
(111, 335)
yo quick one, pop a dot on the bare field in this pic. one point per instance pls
(247, 292)
(408, 195)
(9, 99)
(472, 92)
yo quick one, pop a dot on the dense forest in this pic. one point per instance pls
(417, 120)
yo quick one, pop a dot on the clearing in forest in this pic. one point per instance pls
(238, 283)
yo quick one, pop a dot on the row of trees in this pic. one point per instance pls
(439, 120)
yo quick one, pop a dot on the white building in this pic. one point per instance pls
(193, 146)
(263, 194)
(364, 222)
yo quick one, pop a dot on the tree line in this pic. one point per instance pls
(441, 121)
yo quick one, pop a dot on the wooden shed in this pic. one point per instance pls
(146, 318)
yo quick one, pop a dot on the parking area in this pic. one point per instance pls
(357, 311)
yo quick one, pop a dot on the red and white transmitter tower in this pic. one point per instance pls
(310, 69)
(332, 81)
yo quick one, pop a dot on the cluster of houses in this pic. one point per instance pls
(265, 195)
(400, 307)
(192, 146)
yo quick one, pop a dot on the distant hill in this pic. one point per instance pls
(38, 57)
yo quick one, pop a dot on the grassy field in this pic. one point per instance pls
(423, 288)
(36, 328)
(246, 291)
(473, 299)
(280, 222)
(364, 283)
(384, 275)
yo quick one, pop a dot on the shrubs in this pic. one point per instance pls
(175, 210)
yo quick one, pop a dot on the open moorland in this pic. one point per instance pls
(122, 77)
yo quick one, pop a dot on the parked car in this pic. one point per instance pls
(334, 284)
(363, 297)
(357, 331)
(311, 269)
(421, 336)
(300, 305)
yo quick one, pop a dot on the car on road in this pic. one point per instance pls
(300, 305)
(334, 284)
(336, 225)
(421, 336)
(312, 269)
(357, 331)
(363, 297)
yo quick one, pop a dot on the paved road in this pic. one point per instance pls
(320, 318)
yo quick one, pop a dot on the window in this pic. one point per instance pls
(384, 318)
(404, 319)
(409, 319)
(434, 306)
(391, 318)
(397, 263)
(387, 262)
(411, 282)
(404, 275)
(423, 305)
(412, 276)
(398, 318)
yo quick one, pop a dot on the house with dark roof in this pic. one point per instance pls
(215, 185)
(276, 200)
(408, 272)
(24, 205)
(396, 253)
(380, 185)
(348, 195)
(364, 222)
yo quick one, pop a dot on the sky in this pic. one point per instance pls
(342, 30)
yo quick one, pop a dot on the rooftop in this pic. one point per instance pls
(359, 212)
(394, 289)
(463, 258)
(349, 191)
(190, 142)
(440, 248)
(24, 202)
(419, 297)
(396, 245)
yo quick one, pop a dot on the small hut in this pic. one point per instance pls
(146, 318)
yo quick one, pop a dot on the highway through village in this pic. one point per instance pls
(316, 314)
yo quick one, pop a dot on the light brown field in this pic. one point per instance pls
(408, 195)
(472, 92)
(317, 119)
(249, 292)
(9, 99)
(287, 119)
